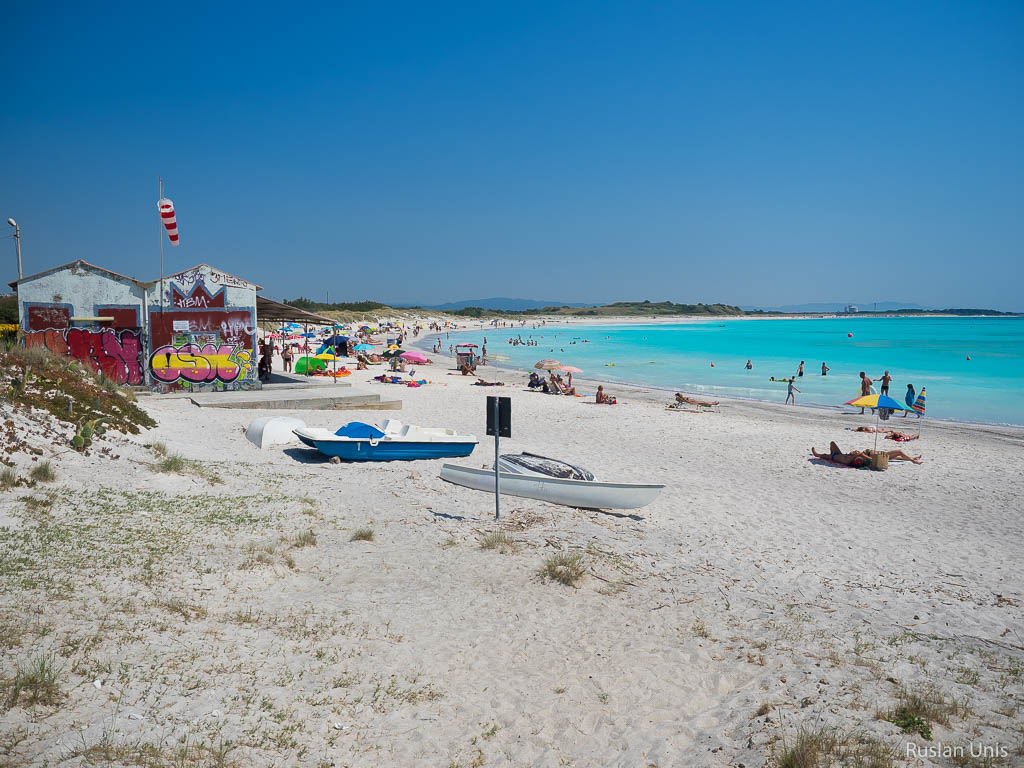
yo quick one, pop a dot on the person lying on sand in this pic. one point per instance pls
(890, 434)
(859, 458)
(681, 398)
(481, 383)
(603, 399)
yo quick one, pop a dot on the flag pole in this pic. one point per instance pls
(160, 194)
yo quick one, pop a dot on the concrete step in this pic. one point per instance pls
(315, 398)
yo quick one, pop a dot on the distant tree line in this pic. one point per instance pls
(339, 306)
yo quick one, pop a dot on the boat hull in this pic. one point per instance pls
(587, 494)
(384, 450)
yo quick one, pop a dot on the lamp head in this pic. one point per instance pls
(12, 222)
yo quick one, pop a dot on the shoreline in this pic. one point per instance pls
(640, 389)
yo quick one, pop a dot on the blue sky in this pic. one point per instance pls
(769, 153)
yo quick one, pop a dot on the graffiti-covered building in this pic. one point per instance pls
(195, 329)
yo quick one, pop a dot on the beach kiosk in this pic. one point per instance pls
(465, 354)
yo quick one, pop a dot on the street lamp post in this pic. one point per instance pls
(17, 242)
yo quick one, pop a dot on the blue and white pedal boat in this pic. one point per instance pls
(391, 441)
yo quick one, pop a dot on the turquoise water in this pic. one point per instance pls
(924, 351)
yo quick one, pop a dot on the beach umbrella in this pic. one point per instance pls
(877, 402)
(324, 356)
(918, 405)
(569, 369)
(392, 351)
(414, 357)
(363, 347)
(547, 365)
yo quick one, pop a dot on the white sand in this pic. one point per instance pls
(757, 578)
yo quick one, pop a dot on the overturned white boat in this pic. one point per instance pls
(537, 477)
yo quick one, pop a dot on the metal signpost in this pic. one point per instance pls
(499, 424)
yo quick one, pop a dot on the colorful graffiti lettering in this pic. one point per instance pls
(196, 364)
(115, 354)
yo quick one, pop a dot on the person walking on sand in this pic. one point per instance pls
(789, 393)
(824, 369)
(886, 379)
(865, 387)
(800, 369)
(909, 399)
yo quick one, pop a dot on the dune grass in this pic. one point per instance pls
(8, 478)
(565, 568)
(43, 472)
(36, 682)
(498, 540)
(362, 534)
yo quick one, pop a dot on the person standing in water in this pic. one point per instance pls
(824, 369)
(750, 366)
(789, 393)
(800, 369)
(886, 379)
(865, 388)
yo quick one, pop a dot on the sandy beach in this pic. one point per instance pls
(222, 614)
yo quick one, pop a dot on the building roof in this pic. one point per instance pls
(76, 264)
(267, 309)
(80, 263)
(197, 266)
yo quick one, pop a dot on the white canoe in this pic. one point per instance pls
(588, 494)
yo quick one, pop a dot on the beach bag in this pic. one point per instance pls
(879, 460)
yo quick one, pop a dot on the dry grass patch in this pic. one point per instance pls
(43, 472)
(498, 540)
(8, 478)
(362, 534)
(307, 539)
(186, 610)
(810, 748)
(565, 568)
(175, 464)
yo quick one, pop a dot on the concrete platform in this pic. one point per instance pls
(313, 399)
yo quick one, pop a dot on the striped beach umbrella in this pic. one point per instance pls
(919, 402)
(167, 216)
(547, 365)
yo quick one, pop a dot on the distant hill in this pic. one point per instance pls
(831, 306)
(502, 303)
(648, 308)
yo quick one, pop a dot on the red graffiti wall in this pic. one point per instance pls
(115, 354)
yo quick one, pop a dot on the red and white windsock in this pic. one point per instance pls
(167, 216)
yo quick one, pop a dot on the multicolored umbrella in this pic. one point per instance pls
(547, 365)
(918, 405)
(879, 401)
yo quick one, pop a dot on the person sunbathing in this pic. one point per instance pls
(467, 369)
(482, 383)
(901, 437)
(561, 387)
(859, 458)
(602, 398)
(681, 398)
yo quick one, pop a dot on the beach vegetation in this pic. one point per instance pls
(699, 629)
(36, 682)
(809, 748)
(362, 534)
(565, 568)
(916, 710)
(498, 540)
(451, 541)
(37, 378)
(159, 448)
(8, 478)
(43, 472)
(174, 464)
(305, 539)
